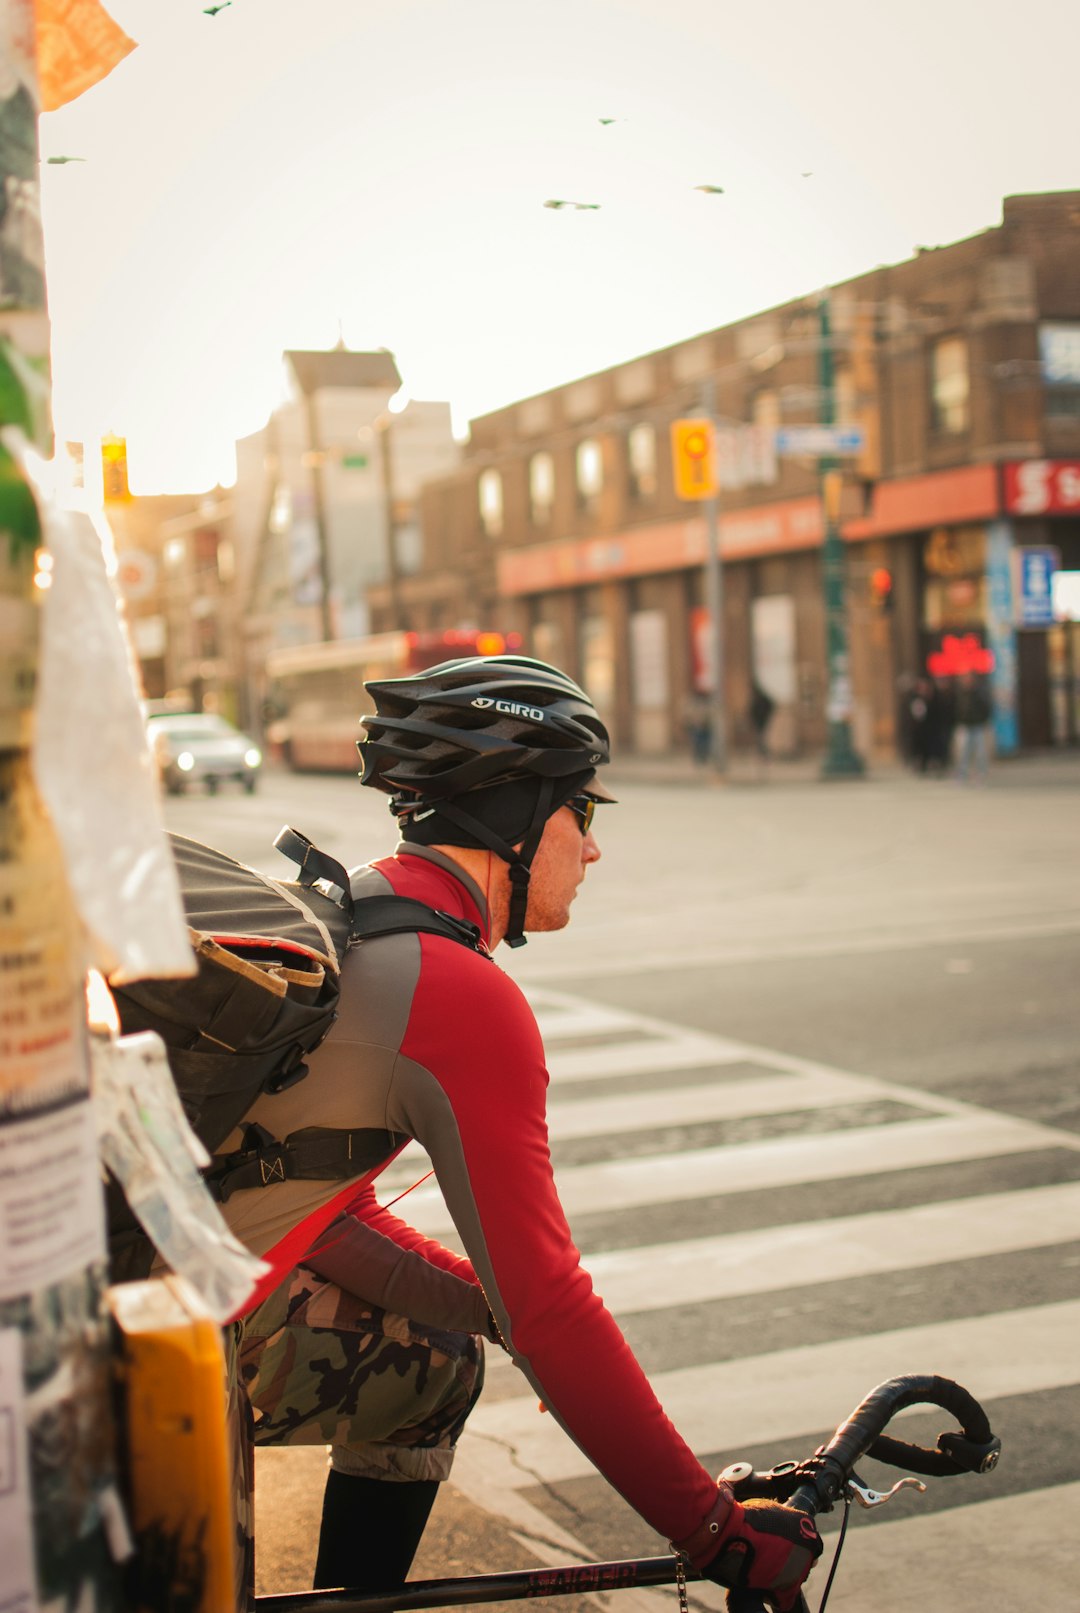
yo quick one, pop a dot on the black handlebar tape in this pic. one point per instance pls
(862, 1430)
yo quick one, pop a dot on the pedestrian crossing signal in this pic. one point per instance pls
(693, 458)
(881, 588)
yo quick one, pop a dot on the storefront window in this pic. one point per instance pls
(954, 594)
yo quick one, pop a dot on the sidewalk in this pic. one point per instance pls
(1040, 770)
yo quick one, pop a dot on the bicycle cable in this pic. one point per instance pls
(405, 1191)
(836, 1553)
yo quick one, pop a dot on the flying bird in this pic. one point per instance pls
(579, 207)
(710, 190)
(212, 11)
(608, 121)
(65, 159)
(808, 175)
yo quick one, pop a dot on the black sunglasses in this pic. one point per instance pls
(583, 807)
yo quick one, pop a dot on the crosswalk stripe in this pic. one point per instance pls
(628, 1184)
(793, 1394)
(643, 1053)
(966, 1557)
(681, 1106)
(677, 1106)
(702, 1269)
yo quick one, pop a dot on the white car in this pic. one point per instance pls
(202, 747)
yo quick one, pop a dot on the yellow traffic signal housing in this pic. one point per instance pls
(693, 458)
(185, 1456)
(114, 469)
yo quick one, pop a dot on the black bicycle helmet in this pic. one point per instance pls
(441, 742)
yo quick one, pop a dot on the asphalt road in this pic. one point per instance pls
(816, 1120)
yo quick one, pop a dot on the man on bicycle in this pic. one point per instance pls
(372, 1342)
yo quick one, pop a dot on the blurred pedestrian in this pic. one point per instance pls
(762, 706)
(973, 710)
(927, 720)
(697, 721)
(905, 691)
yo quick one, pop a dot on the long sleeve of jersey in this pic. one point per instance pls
(471, 1084)
(372, 1253)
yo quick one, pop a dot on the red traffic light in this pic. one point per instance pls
(881, 582)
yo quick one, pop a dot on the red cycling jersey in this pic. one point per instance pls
(435, 1042)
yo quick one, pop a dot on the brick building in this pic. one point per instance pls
(961, 366)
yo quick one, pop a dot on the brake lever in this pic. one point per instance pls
(861, 1492)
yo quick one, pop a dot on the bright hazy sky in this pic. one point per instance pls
(289, 169)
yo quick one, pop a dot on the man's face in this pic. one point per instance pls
(558, 868)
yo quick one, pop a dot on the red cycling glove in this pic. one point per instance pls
(757, 1545)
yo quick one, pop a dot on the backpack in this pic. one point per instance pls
(269, 955)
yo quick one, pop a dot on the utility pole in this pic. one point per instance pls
(841, 758)
(318, 494)
(384, 437)
(54, 1339)
(714, 598)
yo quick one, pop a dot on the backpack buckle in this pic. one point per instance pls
(288, 1074)
(468, 931)
(269, 1154)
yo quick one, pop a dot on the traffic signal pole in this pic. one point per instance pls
(693, 459)
(841, 758)
(714, 601)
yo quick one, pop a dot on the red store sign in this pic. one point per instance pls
(1042, 487)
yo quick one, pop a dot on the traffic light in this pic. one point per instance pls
(881, 588)
(114, 471)
(693, 458)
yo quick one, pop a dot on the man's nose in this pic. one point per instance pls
(590, 851)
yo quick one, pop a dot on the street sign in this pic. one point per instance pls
(820, 441)
(1033, 585)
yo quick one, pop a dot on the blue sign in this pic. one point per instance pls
(1033, 595)
(1001, 637)
(820, 441)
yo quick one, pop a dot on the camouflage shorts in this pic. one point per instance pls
(390, 1396)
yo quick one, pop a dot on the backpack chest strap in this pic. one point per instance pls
(317, 1153)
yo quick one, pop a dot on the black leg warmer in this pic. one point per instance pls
(370, 1531)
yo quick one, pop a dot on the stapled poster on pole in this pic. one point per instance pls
(18, 1585)
(91, 759)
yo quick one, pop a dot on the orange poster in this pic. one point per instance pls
(78, 45)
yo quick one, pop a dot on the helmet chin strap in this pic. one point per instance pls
(518, 862)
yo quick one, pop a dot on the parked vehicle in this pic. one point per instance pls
(201, 747)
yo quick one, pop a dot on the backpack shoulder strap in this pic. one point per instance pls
(398, 915)
(372, 915)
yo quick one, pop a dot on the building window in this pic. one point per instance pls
(844, 397)
(641, 460)
(765, 409)
(949, 385)
(590, 474)
(1059, 354)
(541, 488)
(490, 493)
